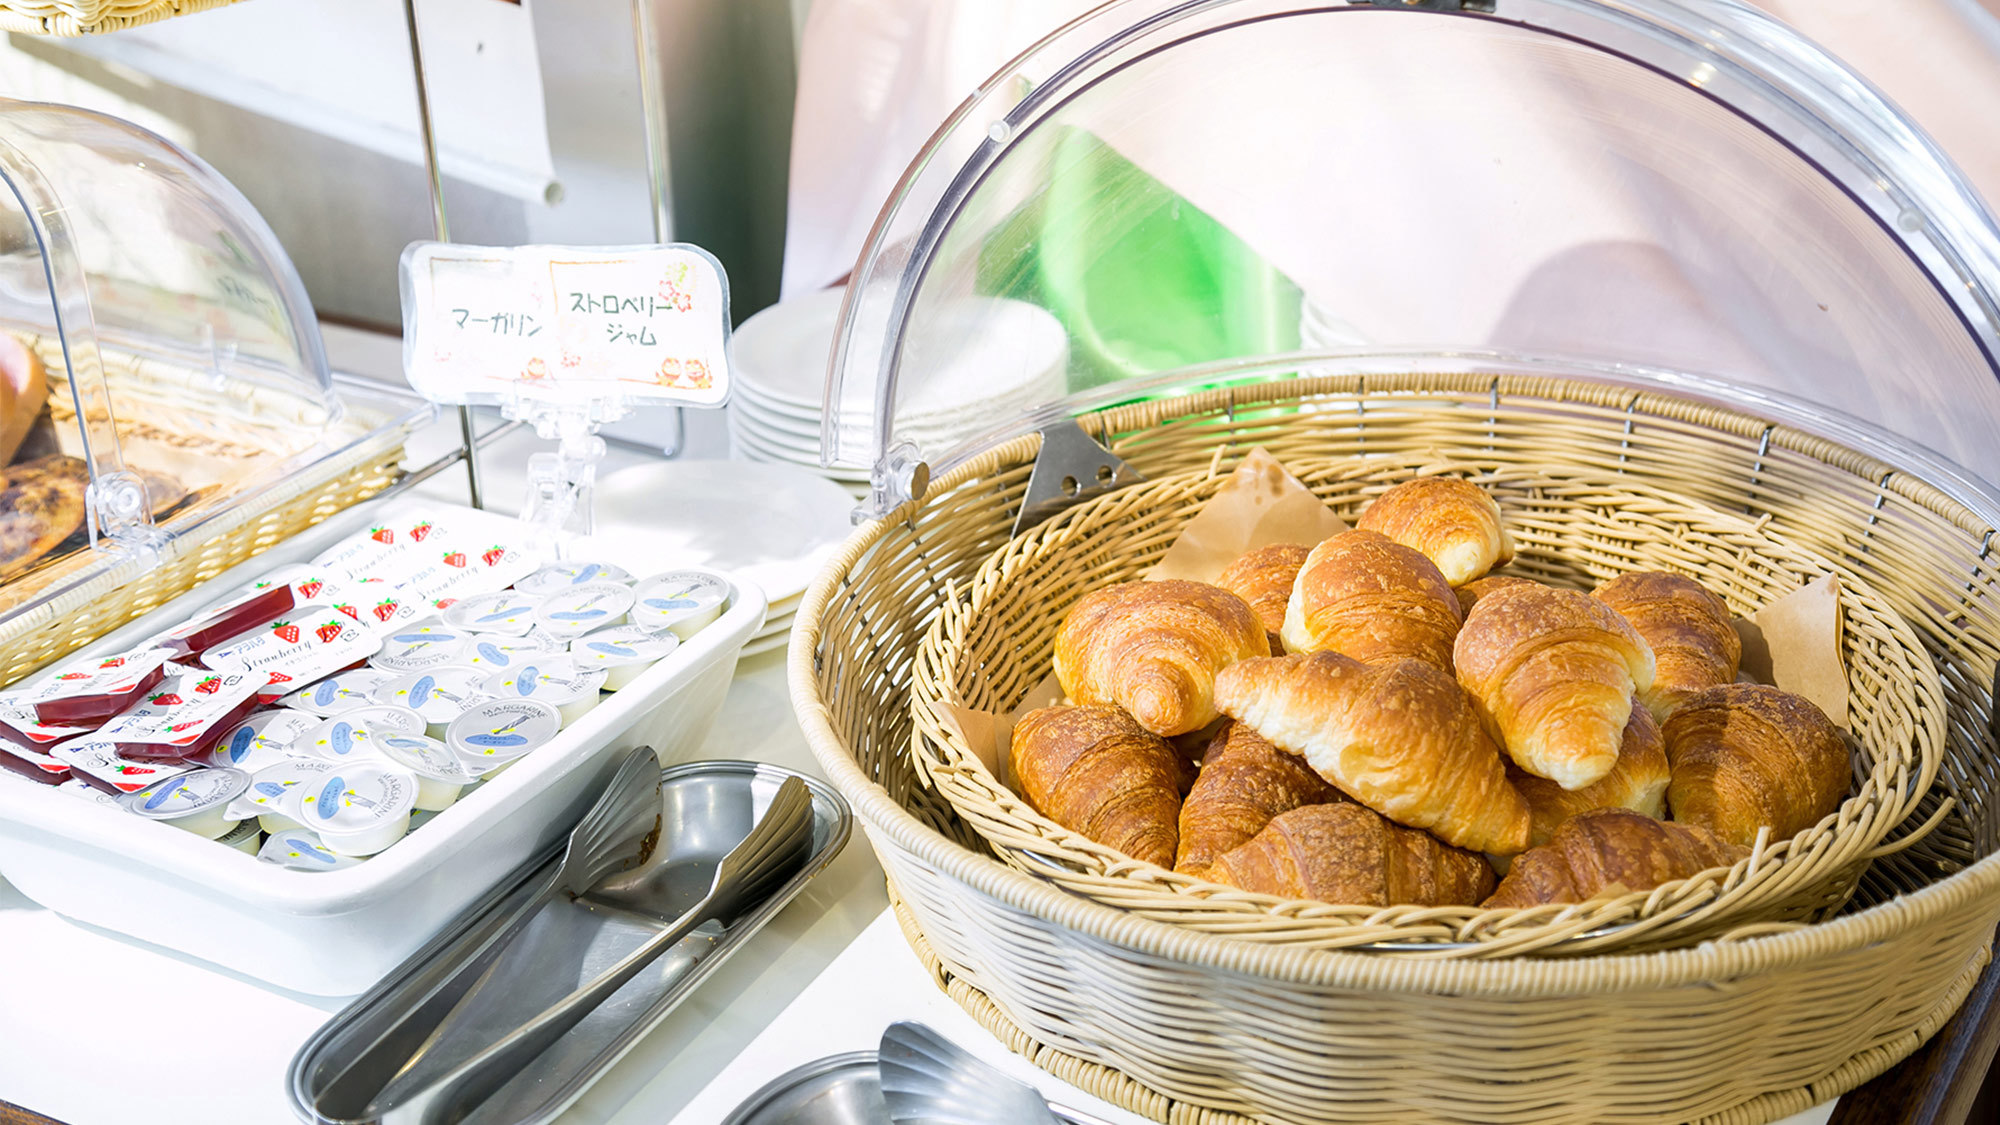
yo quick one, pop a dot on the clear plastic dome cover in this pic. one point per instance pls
(1637, 190)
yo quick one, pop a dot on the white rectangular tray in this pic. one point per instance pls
(335, 933)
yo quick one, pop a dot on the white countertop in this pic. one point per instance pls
(96, 1029)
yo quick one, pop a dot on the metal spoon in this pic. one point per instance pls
(929, 1080)
(775, 848)
(616, 834)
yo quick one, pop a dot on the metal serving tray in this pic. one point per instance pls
(707, 809)
(837, 1090)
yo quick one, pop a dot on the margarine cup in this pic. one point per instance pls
(424, 647)
(246, 837)
(499, 732)
(386, 719)
(564, 575)
(681, 602)
(197, 801)
(575, 610)
(264, 739)
(492, 652)
(571, 690)
(342, 691)
(439, 696)
(300, 850)
(265, 798)
(509, 613)
(357, 808)
(621, 653)
(439, 773)
(342, 738)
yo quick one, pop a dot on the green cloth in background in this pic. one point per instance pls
(1143, 280)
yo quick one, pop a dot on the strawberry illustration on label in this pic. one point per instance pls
(329, 632)
(287, 632)
(311, 587)
(210, 685)
(165, 699)
(385, 609)
(349, 610)
(443, 603)
(278, 678)
(73, 676)
(418, 532)
(493, 555)
(381, 535)
(179, 727)
(113, 662)
(454, 558)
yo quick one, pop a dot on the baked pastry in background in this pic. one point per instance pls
(1455, 523)
(1610, 851)
(1638, 782)
(1263, 578)
(1748, 755)
(1363, 595)
(1096, 772)
(24, 393)
(1346, 853)
(1552, 674)
(1470, 593)
(41, 505)
(1244, 782)
(1690, 630)
(1399, 737)
(1153, 648)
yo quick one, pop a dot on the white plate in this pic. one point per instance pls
(754, 449)
(771, 524)
(766, 644)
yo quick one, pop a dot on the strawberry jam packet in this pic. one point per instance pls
(33, 764)
(310, 642)
(456, 572)
(21, 726)
(89, 691)
(187, 715)
(264, 601)
(389, 551)
(99, 763)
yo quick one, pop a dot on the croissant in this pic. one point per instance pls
(1153, 648)
(1263, 578)
(1610, 851)
(1452, 521)
(1690, 630)
(1346, 853)
(1399, 737)
(1638, 782)
(1095, 772)
(1748, 755)
(1244, 782)
(1470, 593)
(1365, 596)
(1552, 673)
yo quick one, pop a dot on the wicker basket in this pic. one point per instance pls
(1188, 1026)
(90, 17)
(991, 644)
(171, 406)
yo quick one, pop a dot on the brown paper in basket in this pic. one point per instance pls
(1794, 644)
(1259, 505)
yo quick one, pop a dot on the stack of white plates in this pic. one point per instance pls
(967, 364)
(770, 524)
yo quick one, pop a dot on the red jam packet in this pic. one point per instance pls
(86, 692)
(310, 642)
(186, 716)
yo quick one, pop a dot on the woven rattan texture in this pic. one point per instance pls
(90, 17)
(991, 644)
(1186, 1024)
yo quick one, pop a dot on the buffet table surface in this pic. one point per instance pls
(101, 1030)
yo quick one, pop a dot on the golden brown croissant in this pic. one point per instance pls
(1690, 630)
(1362, 595)
(1095, 772)
(1552, 673)
(1638, 782)
(1399, 737)
(1747, 755)
(1346, 853)
(1452, 521)
(1470, 593)
(1244, 782)
(1263, 578)
(1153, 648)
(1610, 851)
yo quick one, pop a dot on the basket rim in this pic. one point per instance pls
(1762, 876)
(1589, 973)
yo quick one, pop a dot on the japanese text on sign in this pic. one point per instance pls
(567, 325)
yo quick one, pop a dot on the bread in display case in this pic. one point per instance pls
(162, 366)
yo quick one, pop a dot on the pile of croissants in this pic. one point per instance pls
(1357, 722)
